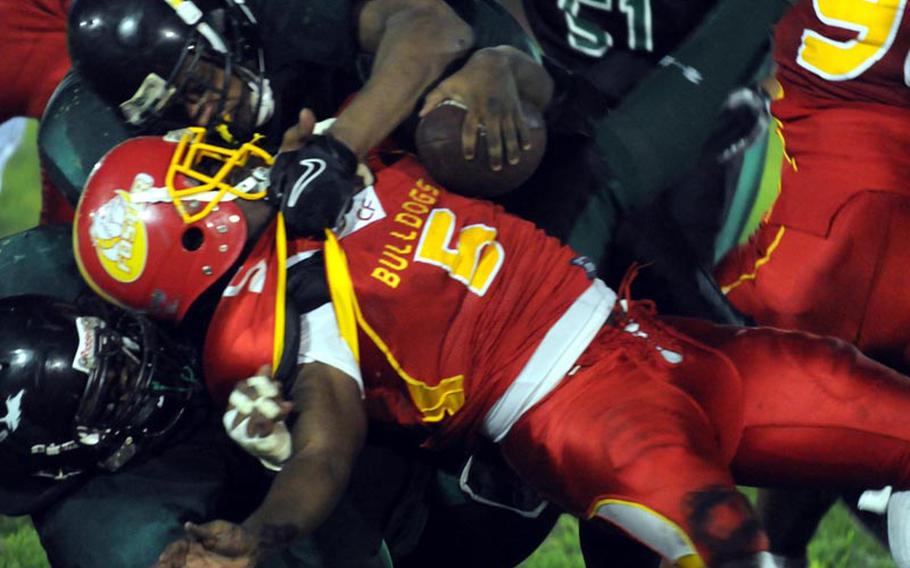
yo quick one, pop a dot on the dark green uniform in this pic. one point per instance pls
(648, 85)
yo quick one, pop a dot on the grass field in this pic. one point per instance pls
(18, 208)
(838, 543)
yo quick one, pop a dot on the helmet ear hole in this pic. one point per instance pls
(192, 239)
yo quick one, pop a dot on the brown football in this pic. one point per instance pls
(438, 142)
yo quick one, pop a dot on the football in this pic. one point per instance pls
(438, 142)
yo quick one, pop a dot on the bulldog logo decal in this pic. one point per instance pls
(119, 236)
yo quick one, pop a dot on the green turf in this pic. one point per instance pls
(20, 197)
(560, 550)
(838, 543)
(19, 546)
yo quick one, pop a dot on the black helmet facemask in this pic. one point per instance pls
(84, 387)
(167, 56)
(137, 387)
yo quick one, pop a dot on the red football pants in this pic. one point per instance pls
(851, 284)
(832, 258)
(656, 447)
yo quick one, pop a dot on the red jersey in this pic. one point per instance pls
(844, 113)
(443, 301)
(452, 296)
(33, 49)
(846, 49)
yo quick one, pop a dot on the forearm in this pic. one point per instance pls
(659, 129)
(300, 499)
(327, 437)
(415, 47)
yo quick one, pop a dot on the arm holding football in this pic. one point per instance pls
(492, 85)
(413, 42)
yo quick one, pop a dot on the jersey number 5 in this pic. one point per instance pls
(474, 261)
(876, 25)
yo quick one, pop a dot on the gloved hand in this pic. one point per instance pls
(314, 186)
(744, 118)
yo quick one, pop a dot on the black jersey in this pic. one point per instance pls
(493, 25)
(579, 32)
(310, 49)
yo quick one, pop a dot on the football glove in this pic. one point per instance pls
(314, 186)
(744, 118)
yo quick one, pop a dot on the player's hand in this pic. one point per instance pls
(296, 136)
(255, 418)
(218, 544)
(744, 118)
(486, 86)
(187, 554)
(314, 181)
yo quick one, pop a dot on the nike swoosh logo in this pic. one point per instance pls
(314, 167)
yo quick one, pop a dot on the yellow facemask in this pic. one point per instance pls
(213, 188)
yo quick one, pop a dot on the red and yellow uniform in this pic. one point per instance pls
(829, 257)
(462, 275)
(460, 320)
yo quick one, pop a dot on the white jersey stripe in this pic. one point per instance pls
(553, 359)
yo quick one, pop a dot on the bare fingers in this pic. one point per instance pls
(295, 136)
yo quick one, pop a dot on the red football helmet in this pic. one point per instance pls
(157, 224)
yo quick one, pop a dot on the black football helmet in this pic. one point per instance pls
(83, 388)
(157, 59)
(67, 148)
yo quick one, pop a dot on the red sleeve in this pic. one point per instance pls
(33, 36)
